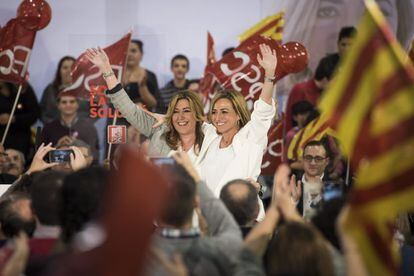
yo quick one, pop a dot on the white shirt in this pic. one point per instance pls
(216, 163)
(248, 146)
(312, 197)
(191, 154)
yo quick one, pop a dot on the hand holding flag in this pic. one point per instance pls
(267, 59)
(241, 71)
(99, 58)
(370, 105)
(86, 74)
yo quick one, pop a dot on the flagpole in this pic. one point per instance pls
(3, 139)
(108, 155)
(348, 168)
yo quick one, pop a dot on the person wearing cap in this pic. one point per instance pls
(69, 126)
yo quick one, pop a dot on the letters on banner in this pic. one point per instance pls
(85, 75)
(274, 151)
(16, 43)
(238, 70)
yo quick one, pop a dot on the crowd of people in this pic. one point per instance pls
(215, 219)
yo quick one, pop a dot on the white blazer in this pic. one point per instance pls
(249, 145)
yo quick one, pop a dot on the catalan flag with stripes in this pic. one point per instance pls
(271, 26)
(315, 130)
(411, 53)
(370, 104)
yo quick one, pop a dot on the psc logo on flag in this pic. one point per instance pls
(116, 134)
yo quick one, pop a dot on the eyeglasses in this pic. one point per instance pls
(66, 102)
(317, 159)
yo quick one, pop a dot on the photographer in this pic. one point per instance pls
(77, 161)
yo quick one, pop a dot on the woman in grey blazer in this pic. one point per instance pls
(182, 129)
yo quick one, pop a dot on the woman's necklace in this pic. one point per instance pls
(224, 143)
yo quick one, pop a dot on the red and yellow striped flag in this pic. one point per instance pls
(411, 53)
(370, 104)
(315, 130)
(271, 26)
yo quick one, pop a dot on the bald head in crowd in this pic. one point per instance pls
(240, 198)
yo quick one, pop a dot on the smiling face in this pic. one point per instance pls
(183, 119)
(224, 117)
(315, 160)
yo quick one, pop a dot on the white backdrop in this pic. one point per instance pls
(168, 27)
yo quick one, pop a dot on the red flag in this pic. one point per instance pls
(274, 151)
(240, 70)
(16, 43)
(211, 55)
(86, 75)
(207, 82)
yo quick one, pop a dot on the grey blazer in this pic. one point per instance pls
(142, 122)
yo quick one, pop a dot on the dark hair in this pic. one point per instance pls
(302, 107)
(58, 79)
(11, 221)
(193, 81)
(347, 32)
(316, 143)
(45, 194)
(242, 204)
(180, 204)
(227, 50)
(180, 56)
(10, 86)
(312, 116)
(139, 44)
(82, 192)
(325, 219)
(326, 68)
(298, 249)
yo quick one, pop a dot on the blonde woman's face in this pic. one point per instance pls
(224, 117)
(183, 118)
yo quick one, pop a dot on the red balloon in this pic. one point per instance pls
(292, 58)
(34, 14)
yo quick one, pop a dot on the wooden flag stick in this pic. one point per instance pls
(108, 156)
(348, 168)
(3, 139)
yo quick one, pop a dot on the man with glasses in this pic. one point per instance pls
(69, 127)
(307, 193)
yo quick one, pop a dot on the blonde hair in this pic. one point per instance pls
(171, 136)
(237, 101)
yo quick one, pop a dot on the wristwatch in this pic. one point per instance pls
(108, 74)
(269, 79)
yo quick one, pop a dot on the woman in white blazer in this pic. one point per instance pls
(235, 141)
